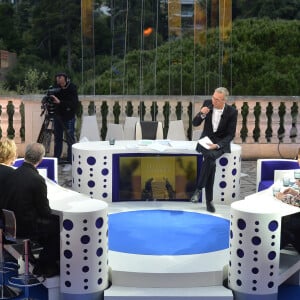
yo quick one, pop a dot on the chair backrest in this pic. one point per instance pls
(196, 135)
(114, 131)
(149, 130)
(89, 129)
(129, 127)
(266, 167)
(176, 131)
(10, 224)
(48, 167)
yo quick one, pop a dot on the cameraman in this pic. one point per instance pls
(66, 101)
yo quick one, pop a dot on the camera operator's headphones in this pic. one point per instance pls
(64, 75)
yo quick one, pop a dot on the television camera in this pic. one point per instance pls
(47, 102)
(47, 129)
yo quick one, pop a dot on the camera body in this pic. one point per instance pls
(47, 101)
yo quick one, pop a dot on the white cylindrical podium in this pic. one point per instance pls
(255, 227)
(84, 250)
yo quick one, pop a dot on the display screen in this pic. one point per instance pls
(154, 177)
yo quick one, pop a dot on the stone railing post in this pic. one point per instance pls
(260, 118)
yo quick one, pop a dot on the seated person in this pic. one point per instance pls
(290, 226)
(8, 154)
(26, 195)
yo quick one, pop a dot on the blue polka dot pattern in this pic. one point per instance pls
(251, 235)
(99, 252)
(85, 269)
(105, 172)
(80, 241)
(68, 224)
(91, 183)
(272, 255)
(240, 253)
(68, 254)
(85, 239)
(273, 225)
(91, 160)
(234, 171)
(256, 240)
(241, 224)
(223, 184)
(99, 223)
(223, 161)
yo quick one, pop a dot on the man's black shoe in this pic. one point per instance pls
(210, 207)
(196, 196)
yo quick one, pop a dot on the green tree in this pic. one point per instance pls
(8, 33)
(279, 9)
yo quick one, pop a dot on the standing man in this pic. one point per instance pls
(66, 101)
(26, 195)
(219, 126)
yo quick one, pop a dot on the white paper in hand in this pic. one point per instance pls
(205, 142)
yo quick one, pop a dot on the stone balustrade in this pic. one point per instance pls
(267, 125)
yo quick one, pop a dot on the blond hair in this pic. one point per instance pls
(8, 151)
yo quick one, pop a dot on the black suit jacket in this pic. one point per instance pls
(5, 172)
(226, 129)
(26, 195)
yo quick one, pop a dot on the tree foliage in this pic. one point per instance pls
(260, 58)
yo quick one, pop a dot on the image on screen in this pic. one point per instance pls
(162, 177)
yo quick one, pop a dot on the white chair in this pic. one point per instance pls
(149, 130)
(196, 135)
(114, 131)
(176, 131)
(89, 129)
(129, 127)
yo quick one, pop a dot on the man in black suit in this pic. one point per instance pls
(26, 196)
(220, 121)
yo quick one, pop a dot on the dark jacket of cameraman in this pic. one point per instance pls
(68, 105)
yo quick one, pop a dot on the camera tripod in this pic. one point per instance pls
(47, 130)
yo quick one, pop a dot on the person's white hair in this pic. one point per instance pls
(34, 153)
(223, 91)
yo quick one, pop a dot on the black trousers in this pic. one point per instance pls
(46, 232)
(208, 169)
(290, 228)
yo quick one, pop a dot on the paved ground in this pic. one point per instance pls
(248, 178)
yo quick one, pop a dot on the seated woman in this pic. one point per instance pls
(8, 154)
(290, 226)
